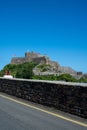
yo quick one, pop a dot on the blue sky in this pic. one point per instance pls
(57, 28)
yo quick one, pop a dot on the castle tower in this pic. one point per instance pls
(28, 56)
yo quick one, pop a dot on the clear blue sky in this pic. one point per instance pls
(57, 28)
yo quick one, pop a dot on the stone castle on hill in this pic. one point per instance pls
(54, 68)
(33, 57)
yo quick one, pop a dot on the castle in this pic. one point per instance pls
(55, 67)
(33, 57)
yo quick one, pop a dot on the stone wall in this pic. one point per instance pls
(68, 97)
(30, 57)
(40, 60)
(17, 60)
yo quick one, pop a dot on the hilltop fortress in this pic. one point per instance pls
(54, 68)
(34, 57)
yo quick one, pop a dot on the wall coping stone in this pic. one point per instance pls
(47, 81)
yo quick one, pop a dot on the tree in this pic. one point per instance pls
(66, 77)
(25, 70)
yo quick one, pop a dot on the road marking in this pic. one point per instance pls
(45, 111)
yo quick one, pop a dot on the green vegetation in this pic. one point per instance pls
(25, 71)
(83, 80)
(67, 77)
(63, 77)
(43, 67)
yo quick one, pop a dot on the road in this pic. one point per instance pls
(19, 115)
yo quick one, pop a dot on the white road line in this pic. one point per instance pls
(45, 111)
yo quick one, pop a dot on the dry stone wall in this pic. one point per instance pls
(71, 98)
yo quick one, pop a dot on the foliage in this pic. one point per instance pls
(63, 77)
(1, 73)
(12, 68)
(43, 67)
(67, 78)
(83, 80)
(44, 77)
(24, 70)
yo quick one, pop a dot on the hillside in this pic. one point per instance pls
(30, 70)
(45, 66)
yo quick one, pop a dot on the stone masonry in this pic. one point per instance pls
(65, 96)
(31, 57)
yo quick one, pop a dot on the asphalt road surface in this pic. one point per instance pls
(17, 116)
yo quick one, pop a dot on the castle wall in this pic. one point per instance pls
(38, 60)
(30, 57)
(18, 60)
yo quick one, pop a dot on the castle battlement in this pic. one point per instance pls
(31, 57)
